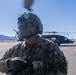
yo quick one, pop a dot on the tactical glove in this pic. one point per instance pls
(16, 64)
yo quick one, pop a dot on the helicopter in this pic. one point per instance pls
(58, 39)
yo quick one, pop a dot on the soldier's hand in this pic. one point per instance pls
(16, 64)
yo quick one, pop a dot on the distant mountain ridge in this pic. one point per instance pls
(4, 37)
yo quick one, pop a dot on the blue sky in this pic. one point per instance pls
(56, 15)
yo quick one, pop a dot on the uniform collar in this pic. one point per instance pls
(25, 44)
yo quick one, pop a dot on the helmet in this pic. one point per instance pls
(29, 24)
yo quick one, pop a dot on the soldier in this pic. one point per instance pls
(35, 55)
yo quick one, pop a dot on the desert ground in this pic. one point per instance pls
(68, 49)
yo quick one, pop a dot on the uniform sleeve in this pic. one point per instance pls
(56, 61)
(3, 61)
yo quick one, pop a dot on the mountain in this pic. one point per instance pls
(4, 37)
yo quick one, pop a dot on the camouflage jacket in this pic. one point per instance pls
(54, 61)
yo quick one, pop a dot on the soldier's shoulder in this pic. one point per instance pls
(49, 45)
(17, 46)
(47, 41)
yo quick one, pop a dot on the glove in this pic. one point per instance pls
(16, 64)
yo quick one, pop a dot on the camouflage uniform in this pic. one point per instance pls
(54, 61)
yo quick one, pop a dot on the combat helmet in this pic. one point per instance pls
(29, 24)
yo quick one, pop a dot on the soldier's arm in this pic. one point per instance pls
(3, 61)
(56, 60)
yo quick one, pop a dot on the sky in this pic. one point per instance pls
(55, 15)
